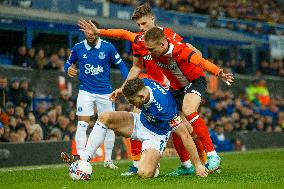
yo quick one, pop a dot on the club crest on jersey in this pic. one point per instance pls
(84, 56)
(102, 55)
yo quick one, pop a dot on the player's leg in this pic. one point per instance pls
(200, 148)
(85, 109)
(136, 148)
(120, 122)
(191, 103)
(153, 146)
(186, 167)
(188, 142)
(149, 163)
(105, 105)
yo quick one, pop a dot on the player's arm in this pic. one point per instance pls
(208, 66)
(133, 73)
(91, 29)
(194, 49)
(180, 129)
(116, 60)
(69, 66)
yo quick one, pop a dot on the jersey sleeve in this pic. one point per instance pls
(170, 33)
(72, 59)
(136, 50)
(175, 122)
(118, 34)
(114, 56)
(190, 57)
(116, 59)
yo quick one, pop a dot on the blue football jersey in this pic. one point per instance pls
(160, 109)
(94, 65)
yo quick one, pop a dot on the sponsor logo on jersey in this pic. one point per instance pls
(102, 55)
(149, 117)
(90, 69)
(171, 66)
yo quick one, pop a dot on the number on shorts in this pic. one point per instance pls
(162, 145)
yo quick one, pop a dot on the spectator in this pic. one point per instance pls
(219, 141)
(61, 54)
(4, 118)
(40, 59)
(52, 64)
(26, 95)
(63, 100)
(3, 90)
(10, 109)
(21, 57)
(45, 126)
(2, 131)
(14, 93)
(31, 58)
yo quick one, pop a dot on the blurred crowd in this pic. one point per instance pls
(261, 10)
(273, 68)
(39, 59)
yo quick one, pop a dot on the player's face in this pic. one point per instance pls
(145, 23)
(91, 39)
(155, 48)
(136, 101)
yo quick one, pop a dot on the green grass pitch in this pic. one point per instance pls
(252, 170)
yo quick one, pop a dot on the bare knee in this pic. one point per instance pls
(146, 173)
(105, 118)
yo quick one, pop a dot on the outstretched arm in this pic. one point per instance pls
(208, 66)
(91, 29)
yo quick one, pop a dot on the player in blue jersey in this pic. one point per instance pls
(94, 57)
(153, 126)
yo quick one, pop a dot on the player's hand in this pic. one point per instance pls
(201, 171)
(228, 78)
(72, 71)
(88, 27)
(115, 94)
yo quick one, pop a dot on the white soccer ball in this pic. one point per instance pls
(80, 170)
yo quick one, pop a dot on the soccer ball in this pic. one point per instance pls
(80, 170)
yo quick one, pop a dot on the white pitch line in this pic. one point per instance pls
(53, 166)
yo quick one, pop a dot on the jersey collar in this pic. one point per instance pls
(170, 50)
(147, 105)
(88, 47)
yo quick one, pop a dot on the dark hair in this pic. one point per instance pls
(95, 23)
(142, 10)
(132, 87)
(154, 34)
